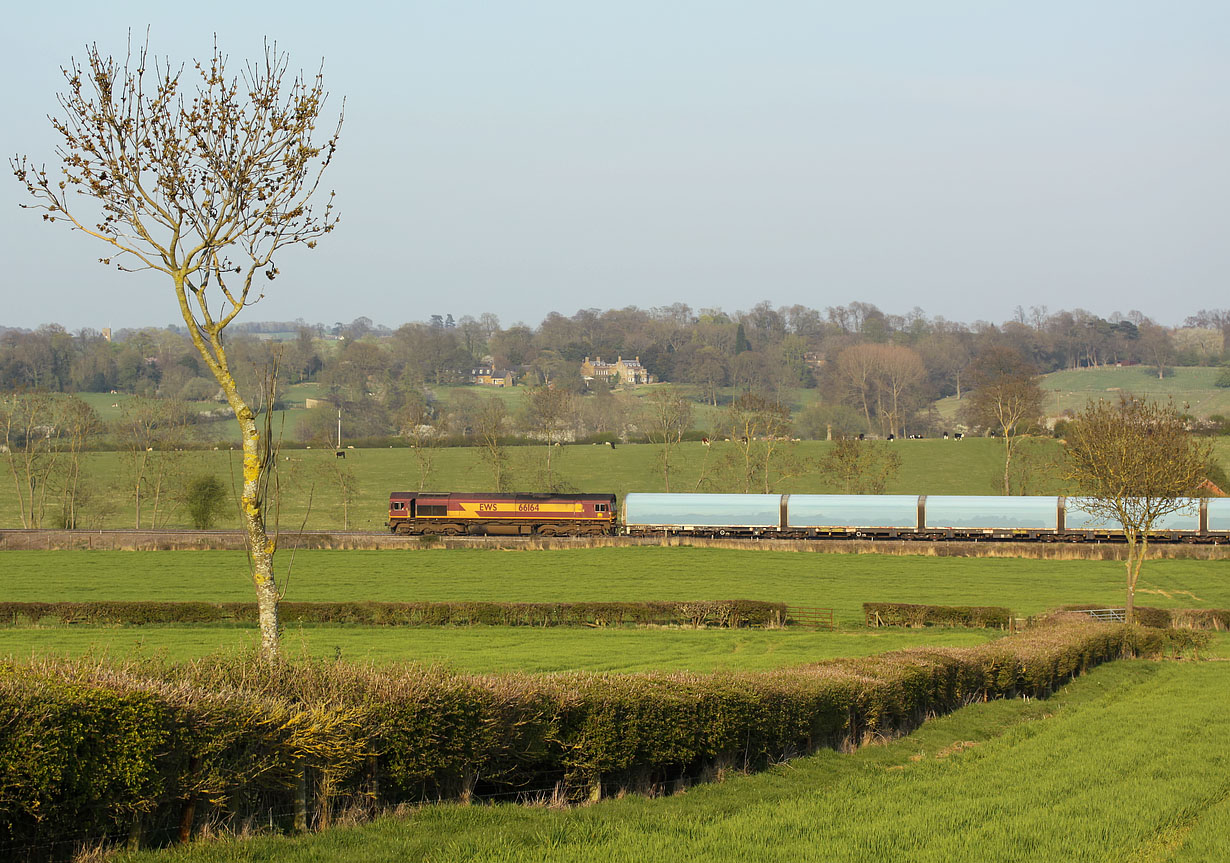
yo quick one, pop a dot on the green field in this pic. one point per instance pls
(491, 650)
(840, 582)
(310, 481)
(843, 582)
(1072, 390)
(1126, 763)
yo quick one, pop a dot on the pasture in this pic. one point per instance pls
(1125, 763)
(1071, 390)
(493, 650)
(324, 492)
(841, 582)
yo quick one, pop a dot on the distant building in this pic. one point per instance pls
(491, 377)
(621, 371)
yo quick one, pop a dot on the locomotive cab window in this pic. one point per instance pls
(398, 505)
(602, 507)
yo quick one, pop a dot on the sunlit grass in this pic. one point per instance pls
(484, 649)
(842, 582)
(1127, 763)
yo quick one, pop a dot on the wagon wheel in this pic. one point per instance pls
(451, 530)
(547, 530)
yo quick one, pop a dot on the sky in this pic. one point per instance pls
(527, 157)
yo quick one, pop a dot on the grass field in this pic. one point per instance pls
(1072, 390)
(487, 650)
(842, 582)
(311, 490)
(1126, 763)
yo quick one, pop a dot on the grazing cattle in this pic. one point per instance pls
(704, 441)
(892, 437)
(958, 436)
(611, 444)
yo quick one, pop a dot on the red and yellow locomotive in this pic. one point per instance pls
(483, 514)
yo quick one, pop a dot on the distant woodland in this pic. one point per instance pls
(841, 371)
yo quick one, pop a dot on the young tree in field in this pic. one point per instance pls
(760, 430)
(151, 432)
(78, 424)
(29, 432)
(1135, 462)
(207, 186)
(667, 417)
(859, 467)
(550, 412)
(490, 420)
(1006, 399)
(416, 423)
(205, 499)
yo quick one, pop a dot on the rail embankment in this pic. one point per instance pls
(193, 540)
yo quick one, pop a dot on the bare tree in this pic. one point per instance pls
(550, 413)
(668, 416)
(1156, 346)
(416, 423)
(490, 420)
(29, 425)
(859, 467)
(151, 432)
(760, 431)
(1006, 399)
(336, 474)
(1136, 462)
(206, 188)
(899, 372)
(856, 372)
(78, 424)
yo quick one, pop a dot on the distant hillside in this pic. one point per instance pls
(1072, 390)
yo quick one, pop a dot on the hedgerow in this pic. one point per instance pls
(905, 614)
(90, 749)
(725, 613)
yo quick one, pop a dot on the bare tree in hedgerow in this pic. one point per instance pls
(206, 185)
(1134, 462)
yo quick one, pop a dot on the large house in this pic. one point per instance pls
(491, 377)
(621, 371)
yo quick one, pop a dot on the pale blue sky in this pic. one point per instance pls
(527, 157)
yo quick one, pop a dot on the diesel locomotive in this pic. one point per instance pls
(455, 514)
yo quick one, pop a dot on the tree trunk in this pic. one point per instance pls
(1007, 462)
(1133, 570)
(260, 548)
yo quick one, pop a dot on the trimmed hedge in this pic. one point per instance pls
(905, 614)
(1157, 618)
(725, 613)
(1200, 618)
(91, 750)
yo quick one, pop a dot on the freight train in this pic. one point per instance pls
(917, 517)
(791, 516)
